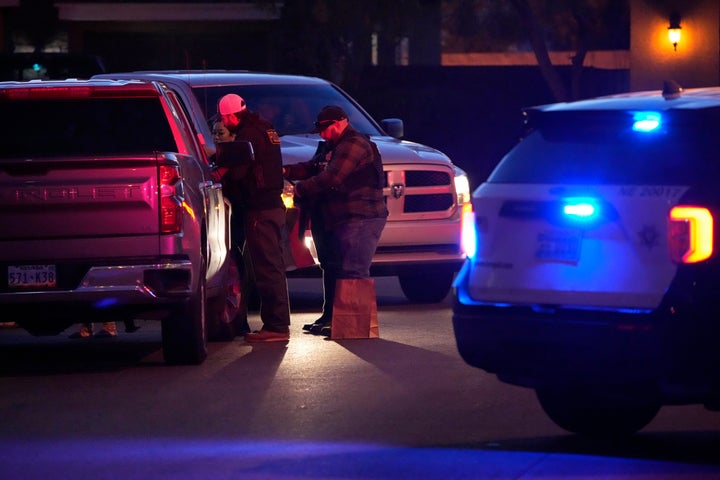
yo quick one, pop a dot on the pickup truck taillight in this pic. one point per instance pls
(49, 90)
(690, 234)
(171, 207)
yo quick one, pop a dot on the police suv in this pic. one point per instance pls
(593, 270)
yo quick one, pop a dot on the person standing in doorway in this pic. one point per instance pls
(236, 297)
(254, 189)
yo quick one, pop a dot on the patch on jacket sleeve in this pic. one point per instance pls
(273, 136)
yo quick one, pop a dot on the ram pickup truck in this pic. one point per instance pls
(109, 211)
(425, 192)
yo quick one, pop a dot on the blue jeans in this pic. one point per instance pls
(355, 243)
(346, 251)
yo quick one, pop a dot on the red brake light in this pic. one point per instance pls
(171, 206)
(43, 91)
(46, 92)
(690, 234)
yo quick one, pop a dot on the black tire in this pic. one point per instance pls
(584, 413)
(184, 336)
(223, 310)
(426, 285)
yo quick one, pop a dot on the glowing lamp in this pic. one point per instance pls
(674, 30)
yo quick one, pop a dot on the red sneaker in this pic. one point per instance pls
(264, 336)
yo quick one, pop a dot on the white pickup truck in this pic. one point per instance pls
(424, 190)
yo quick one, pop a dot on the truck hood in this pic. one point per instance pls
(301, 148)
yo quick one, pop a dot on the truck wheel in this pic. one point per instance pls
(579, 411)
(223, 309)
(426, 285)
(184, 337)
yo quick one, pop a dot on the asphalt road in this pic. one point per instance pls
(401, 406)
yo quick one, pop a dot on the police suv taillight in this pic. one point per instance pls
(690, 234)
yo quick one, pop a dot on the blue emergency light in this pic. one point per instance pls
(646, 122)
(581, 209)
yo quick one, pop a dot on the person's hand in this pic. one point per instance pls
(297, 200)
(218, 173)
(209, 152)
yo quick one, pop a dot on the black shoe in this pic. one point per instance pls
(131, 326)
(320, 321)
(105, 334)
(241, 325)
(317, 328)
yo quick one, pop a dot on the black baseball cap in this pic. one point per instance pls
(327, 116)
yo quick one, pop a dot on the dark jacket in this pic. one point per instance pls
(350, 186)
(256, 185)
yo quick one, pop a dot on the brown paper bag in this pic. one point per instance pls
(355, 309)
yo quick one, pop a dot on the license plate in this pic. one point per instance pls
(20, 276)
(559, 246)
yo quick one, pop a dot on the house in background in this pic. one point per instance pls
(652, 58)
(143, 34)
(234, 34)
(482, 92)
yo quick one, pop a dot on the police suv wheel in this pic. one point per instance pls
(587, 413)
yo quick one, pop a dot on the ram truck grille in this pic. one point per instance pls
(428, 192)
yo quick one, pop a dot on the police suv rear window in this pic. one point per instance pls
(604, 148)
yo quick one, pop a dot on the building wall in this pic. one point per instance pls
(197, 34)
(5, 33)
(609, 59)
(696, 63)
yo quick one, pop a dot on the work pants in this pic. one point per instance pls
(263, 241)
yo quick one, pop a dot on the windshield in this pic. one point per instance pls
(290, 108)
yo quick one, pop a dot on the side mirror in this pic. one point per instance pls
(393, 127)
(229, 154)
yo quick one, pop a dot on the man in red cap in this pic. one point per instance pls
(347, 191)
(254, 189)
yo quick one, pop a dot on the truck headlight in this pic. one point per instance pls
(287, 194)
(462, 186)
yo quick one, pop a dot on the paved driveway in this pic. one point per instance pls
(402, 406)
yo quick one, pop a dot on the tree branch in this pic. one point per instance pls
(537, 40)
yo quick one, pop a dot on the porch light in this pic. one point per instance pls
(674, 30)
